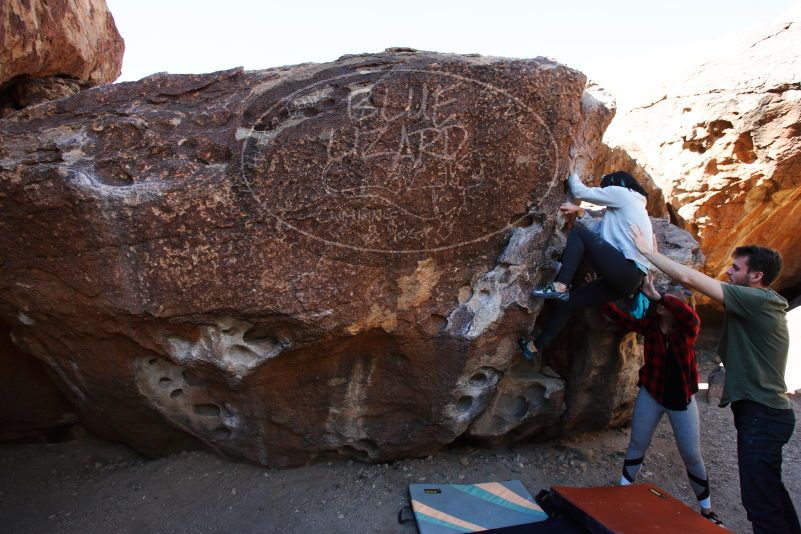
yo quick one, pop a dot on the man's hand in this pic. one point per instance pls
(569, 208)
(649, 289)
(640, 241)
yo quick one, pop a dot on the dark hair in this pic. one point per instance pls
(761, 259)
(681, 293)
(623, 179)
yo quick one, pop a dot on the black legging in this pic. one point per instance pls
(618, 277)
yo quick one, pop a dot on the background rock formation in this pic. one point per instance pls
(50, 49)
(306, 261)
(724, 144)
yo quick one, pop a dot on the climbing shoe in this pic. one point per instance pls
(550, 292)
(712, 516)
(528, 354)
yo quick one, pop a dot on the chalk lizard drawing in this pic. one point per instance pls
(402, 160)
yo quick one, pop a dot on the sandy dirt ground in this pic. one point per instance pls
(86, 485)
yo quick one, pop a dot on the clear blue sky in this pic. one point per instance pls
(203, 35)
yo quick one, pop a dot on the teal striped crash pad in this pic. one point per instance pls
(449, 508)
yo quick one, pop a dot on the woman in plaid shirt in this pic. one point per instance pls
(668, 380)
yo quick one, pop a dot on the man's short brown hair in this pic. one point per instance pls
(761, 259)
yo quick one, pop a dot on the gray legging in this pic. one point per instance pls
(647, 414)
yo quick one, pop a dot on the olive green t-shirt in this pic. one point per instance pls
(754, 345)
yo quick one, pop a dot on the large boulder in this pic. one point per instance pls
(723, 141)
(54, 48)
(298, 262)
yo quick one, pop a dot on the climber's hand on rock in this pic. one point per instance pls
(568, 208)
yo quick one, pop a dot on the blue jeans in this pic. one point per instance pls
(762, 431)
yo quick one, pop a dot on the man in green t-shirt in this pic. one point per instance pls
(753, 347)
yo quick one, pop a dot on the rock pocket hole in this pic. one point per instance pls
(207, 410)
(744, 148)
(191, 378)
(464, 404)
(152, 361)
(369, 446)
(478, 379)
(484, 296)
(437, 322)
(174, 394)
(513, 407)
(164, 380)
(258, 333)
(519, 407)
(355, 453)
(113, 173)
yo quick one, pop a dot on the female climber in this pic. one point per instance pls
(605, 244)
(668, 380)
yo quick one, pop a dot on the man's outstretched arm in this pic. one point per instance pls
(680, 273)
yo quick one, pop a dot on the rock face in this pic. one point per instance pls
(299, 262)
(54, 48)
(724, 143)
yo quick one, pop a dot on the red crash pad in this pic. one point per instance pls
(633, 509)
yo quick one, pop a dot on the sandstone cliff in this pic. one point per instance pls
(724, 143)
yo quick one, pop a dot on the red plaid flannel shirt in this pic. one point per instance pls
(680, 345)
